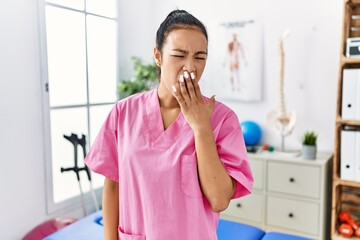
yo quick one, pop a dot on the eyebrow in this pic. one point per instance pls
(186, 52)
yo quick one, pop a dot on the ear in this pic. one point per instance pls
(157, 57)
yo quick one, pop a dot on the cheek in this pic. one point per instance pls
(200, 66)
(170, 73)
(200, 69)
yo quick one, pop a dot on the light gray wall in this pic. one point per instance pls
(22, 171)
(313, 62)
(136, 33)
(312, 59)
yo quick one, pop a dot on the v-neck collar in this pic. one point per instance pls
(159, 137)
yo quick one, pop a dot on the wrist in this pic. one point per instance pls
(203, 129)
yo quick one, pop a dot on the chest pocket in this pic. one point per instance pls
(189, 177)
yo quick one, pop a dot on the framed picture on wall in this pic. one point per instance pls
(234, 67)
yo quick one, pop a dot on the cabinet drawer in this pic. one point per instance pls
(249, 207)
(302, 180)
(291, 214)
(258, 173)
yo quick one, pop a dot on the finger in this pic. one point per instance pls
(178, 96)
(183, 89)
(190, 86)
(196, 87)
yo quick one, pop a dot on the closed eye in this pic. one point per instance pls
(200, 58)
(178, 56)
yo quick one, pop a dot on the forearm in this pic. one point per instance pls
(216, 184)
(110, 203)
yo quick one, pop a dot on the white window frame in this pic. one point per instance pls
(75, 202)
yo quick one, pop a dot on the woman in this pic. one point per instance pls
(172, 158)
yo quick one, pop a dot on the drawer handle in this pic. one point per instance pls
(238, 205)
(291, 215)
(292, 179)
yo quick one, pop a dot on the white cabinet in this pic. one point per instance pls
(290, 195)
(297, 215)
(249, 207)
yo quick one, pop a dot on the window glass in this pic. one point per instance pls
(101, 59)
(65, 122)
(104, 7)
(76, 4)
(81, 62)
(66, 56)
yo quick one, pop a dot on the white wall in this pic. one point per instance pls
(136, 33)
(313, 51)
(312, 59)
(22, 171)
(22, 167)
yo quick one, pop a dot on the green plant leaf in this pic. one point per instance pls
(309, 138)
(143, 79)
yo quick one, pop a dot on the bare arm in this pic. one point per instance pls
(216, 183)
(110, 203)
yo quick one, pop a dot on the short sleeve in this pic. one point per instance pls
(232, 152)
(102, 157)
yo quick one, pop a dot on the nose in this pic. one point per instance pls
(189, 69)
(189, 66)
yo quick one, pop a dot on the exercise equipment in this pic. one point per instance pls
(348, 225)
(346, 230)
(268, 148)
(345, 217)
(75, 140)
(252, 132)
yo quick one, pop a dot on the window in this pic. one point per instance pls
(79, 59)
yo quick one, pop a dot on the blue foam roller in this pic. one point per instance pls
(228, 230)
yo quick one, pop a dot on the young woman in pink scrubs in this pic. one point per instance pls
(172, 158)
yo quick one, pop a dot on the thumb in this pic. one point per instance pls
(211, 102)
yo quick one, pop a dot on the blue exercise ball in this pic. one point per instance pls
(251, 132)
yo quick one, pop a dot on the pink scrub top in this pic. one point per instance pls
(159, 191)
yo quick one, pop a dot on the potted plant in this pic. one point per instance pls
(144, 79)
(309, 145)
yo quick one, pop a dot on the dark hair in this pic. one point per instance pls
(175, 20)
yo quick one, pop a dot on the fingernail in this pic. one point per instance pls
(186, 74)
(181, 79)
(173, 88)
(192, 75)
